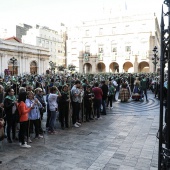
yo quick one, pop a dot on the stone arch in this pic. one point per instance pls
(114, 67)
(87, 68)
(101, 67)
(13, 67)
(128, 67)
(33, 67)
(143, 67)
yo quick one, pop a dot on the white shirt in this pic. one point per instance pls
(52, 101)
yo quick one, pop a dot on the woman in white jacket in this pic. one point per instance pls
(53, 107)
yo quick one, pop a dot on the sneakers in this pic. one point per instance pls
(79, 124)
(75, 125)
(25, 146)
(21, 143)
(40, 136)
(52, 132)
(29, 140)
(99, 118)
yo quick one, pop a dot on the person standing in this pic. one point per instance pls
(53, 106)
(143, 86)
(10, 103)
(23, 112)
(34, 114)
(75, 94)
(97, 99)
(104, 88)
(63, 106)
(88, 103)
(111, 92)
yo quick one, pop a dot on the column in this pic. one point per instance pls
(94, 69)
(136, 64)
(107, 67)
(80, 64)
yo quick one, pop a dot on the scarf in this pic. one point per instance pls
(13, 98)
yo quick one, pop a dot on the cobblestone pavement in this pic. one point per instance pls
(124, 139)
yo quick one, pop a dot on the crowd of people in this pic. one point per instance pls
(70, 98)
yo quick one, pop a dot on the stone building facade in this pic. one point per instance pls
(29, 59)
(52, 39)
(120, 44)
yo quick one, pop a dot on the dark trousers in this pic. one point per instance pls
(23, 130)
(145, 93)
(11, 124)
(110, 100)
(63, 115)
(97, 104)
(35, 123)
(88, 111)
(76, 109)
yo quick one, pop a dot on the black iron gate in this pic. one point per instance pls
(164, 121)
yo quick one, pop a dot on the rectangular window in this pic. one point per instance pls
(128, 49)
(87, 49)
(100, 49)
(87, 32)
(101, 31)
(114, 49)
(113, 30)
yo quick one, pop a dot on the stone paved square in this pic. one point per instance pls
(124, 139)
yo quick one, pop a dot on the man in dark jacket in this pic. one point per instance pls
(143, 86)
(104, 88)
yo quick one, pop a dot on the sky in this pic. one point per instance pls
(69, 12)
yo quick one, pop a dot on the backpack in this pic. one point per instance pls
(2, 129)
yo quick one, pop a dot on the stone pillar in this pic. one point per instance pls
(80, 64)
(107, 67)
(136, 65)
(121, 68)
(94, 66)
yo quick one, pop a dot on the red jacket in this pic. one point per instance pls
(23, 111)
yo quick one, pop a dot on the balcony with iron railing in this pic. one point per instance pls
(86, 56)
(100, 56)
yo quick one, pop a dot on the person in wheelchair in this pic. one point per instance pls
(136, 90)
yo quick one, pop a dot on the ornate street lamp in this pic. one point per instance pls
(51, 65)
(155, 57)
(13, 60)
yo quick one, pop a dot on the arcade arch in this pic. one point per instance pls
(13, 67)
(33, 67)
(101, 67)
(114, 67)
(87, 68)
(143, 67)
(128, 67)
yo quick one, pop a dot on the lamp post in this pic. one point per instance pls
(155, 57)
(52, 65)
(13, 60)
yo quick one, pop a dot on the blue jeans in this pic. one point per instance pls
(52, 120)
(104, 106)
